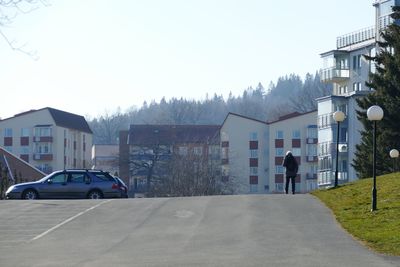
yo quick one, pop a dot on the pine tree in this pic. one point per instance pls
(386, 84)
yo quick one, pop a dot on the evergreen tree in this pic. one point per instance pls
(386, 84)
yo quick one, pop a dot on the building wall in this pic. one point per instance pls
(284, 137)
(105, 157)
(245, 166)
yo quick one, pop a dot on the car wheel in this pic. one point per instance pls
(30, 194)
(95, 194)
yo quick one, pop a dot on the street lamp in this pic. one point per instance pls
(394, 154)
(374, 113)
(338, 116)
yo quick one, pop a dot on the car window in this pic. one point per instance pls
(103, 176)
(59, 178)
(79, 178)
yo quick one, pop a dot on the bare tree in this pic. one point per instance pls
(149, 162)
(9, 11)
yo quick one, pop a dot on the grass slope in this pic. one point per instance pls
(351, 204)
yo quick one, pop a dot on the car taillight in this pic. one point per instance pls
(114, 186)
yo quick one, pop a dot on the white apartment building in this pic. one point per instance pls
(245, 153)
(347, 69)
(252, 152)
(297, 133)
(48, 139)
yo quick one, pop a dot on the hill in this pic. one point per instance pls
(351, 204)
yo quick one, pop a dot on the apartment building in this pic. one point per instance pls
(252, 152)
(297, 133)
(244, 154)
(347, 69)
(48, 139)
(142, 143)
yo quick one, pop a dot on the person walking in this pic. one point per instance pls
(290, 163)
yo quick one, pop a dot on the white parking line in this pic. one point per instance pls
(67, 221)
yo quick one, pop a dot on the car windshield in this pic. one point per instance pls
(45, 178)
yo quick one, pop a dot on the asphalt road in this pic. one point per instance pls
(258, 230)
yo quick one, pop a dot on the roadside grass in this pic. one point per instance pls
(351, 205)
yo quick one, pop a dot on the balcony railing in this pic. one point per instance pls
(334, 74)
(355, 37)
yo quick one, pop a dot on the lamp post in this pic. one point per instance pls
(374, 113)
(394, 154)
(338, 116)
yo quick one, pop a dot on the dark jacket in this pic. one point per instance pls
(291, 165)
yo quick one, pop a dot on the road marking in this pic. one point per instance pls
(68, 220)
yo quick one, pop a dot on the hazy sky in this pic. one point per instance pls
(98, 55)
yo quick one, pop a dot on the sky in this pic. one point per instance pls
(96, 56)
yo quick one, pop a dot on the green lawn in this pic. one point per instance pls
(351, 204)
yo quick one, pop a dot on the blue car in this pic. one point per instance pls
(91, 184)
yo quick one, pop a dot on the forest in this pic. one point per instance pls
(289, 94)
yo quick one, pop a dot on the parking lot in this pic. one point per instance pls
(23, 221)
(195, 231)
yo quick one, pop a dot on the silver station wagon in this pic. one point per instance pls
(69, 184)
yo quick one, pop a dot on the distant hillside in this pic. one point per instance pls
(289, 94)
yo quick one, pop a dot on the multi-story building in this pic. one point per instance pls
(348, 70)
(244, 154)
(296, 133)
(252, 152)
(48, 139)
(143, 144)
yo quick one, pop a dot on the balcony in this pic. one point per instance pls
(334, 74)
(355, 37)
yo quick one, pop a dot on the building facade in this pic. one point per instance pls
(252, 152)
(48, 139)
(348, 70)
(296, 133)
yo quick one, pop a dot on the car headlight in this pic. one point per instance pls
(11, 188)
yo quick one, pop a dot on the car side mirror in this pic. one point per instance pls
(50, 181)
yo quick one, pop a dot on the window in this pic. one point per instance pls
(279, 151)
(296, 134)
(59, 178)
(25, 150)
(253, 188)
(279, 187)
(279, 134)
(312, 132)
(7, 132)
(254, 153)
(25, 132)
(253, 170)
(296, 152)
(253, 136)
(43, 148)
(79, 178)
(43, 131)
(279, 169)
(182, 151)
(198, 150)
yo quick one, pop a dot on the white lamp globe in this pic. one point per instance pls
(339, 116)
(394, 153)
(375, 113)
